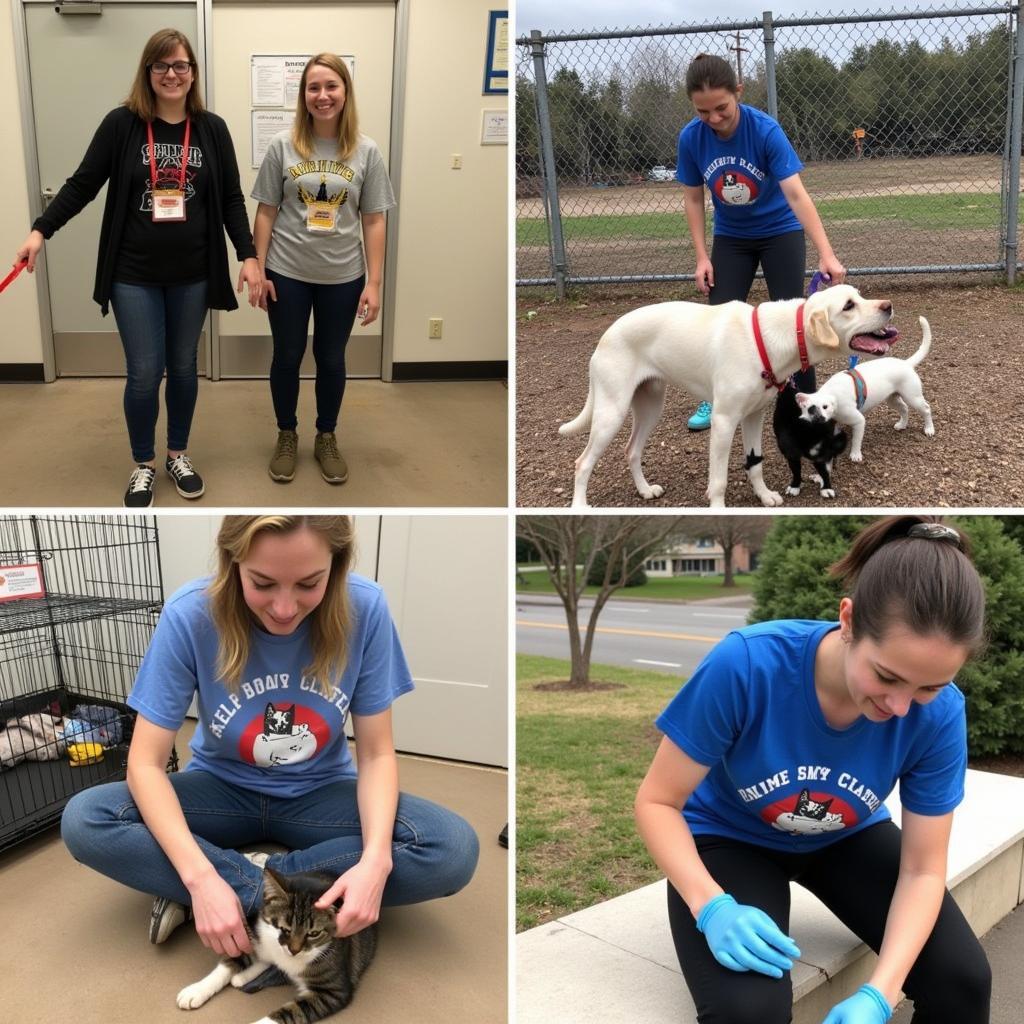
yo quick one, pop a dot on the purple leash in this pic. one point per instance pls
(817, 280)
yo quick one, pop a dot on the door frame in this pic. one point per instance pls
(205, 56)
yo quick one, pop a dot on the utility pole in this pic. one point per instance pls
(738, 49)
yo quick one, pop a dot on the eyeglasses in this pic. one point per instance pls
(180, 67)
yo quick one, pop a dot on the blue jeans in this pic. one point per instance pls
(160, 328)
(334, 312)
(433, 850)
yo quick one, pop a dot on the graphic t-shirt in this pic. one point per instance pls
(341, 189)
(780, 775)
(174, 252)
(742, 173)
(278, 735)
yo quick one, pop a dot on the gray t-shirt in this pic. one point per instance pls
(317, 235)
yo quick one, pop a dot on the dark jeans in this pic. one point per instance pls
(950, 983)
(334, 312)
(160, 328)
(782, 259)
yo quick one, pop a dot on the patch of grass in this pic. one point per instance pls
(943, 210)
(678, 588)
(580, 758)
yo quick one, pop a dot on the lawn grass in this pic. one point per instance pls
(676, 588)
(579, 760)
(934, 212)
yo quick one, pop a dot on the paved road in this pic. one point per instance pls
(1004, 946)
(653, 635)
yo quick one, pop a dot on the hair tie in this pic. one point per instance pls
(935, 531)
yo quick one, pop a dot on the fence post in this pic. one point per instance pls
(547, 149)
(1016, 117)
(769, 63)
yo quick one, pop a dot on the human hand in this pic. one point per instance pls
(360, 889)
(705, 275)
(30, 250)
(369, 305)
(866, 1006)
(268, 292)
(745, 938)
(250, 275)
(832, 268)
(220, 923)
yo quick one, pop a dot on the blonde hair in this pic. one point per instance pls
(348, 124)
(142, 100)
(330, 621)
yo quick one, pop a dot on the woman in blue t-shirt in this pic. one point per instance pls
(780, 751)
(761, 206)
(279, 647)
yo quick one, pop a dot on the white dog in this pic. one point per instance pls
(843, 399)
(711, 352)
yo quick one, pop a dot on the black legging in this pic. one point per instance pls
(950, 983)
(782, 259)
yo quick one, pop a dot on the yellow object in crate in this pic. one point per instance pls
(84, 753)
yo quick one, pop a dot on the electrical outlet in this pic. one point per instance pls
(456, 161)
(434, 327)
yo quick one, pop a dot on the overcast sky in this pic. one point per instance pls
(593, 15)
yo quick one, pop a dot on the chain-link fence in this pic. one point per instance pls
(909, 126)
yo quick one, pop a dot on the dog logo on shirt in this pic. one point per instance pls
(281, 741)
(809, 816)
(734, 188)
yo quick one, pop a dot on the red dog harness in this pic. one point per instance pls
(801, 344)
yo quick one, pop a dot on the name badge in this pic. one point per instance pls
(168, 204)
(320, 216)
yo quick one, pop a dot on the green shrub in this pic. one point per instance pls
(637, 577)
(793, 583)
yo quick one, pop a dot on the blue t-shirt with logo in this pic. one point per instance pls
(742, 173)
(780, 775)
(279, 734)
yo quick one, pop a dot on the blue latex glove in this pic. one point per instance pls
(866, 1006)
(745, 938)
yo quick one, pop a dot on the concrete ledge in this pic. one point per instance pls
(615, 962)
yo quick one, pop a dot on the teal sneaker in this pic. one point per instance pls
(701, 419)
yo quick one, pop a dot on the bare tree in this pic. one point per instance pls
(568, 542)
(729, 532)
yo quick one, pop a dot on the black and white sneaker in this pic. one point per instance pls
(187, 481)
(140, 487)
(165, 916)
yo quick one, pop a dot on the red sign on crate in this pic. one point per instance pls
(21, 581)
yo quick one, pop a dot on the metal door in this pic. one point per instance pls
(364, 30)
(81, 65)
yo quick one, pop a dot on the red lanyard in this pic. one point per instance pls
(18, 268)
(184, 154)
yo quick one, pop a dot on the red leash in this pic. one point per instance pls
(801, 344)
(18, 268)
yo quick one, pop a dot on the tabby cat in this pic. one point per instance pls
(290, 933)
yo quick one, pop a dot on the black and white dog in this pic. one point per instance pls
(818, 441)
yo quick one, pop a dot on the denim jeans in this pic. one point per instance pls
(334, 312)
(160, 329)
(433, 850)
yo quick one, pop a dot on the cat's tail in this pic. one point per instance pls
(926, 343)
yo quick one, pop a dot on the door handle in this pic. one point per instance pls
(48, 196)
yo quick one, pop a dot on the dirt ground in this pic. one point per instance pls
(973, 378)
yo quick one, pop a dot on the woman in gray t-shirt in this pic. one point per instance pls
(319, 235)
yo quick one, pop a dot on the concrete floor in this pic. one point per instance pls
(407, 445)
(75, 944)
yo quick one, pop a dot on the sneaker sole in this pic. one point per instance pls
(149, 504)
(280, 477)
(190, 494)
(697, 430)
(334, 479)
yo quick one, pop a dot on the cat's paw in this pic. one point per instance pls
(191, 997)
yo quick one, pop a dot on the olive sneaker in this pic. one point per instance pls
(282, 462)
(140, 487)
(187, 481)
(332, 466)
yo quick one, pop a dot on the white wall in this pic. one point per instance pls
(452, 247)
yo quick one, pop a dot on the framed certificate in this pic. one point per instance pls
(21, 581)
(496, 69)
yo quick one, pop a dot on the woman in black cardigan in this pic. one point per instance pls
(173, 189)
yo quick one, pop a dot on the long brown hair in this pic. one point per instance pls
(928, 585)
(330, 621)
(141, 100)
(707, 71)
(348, 124)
